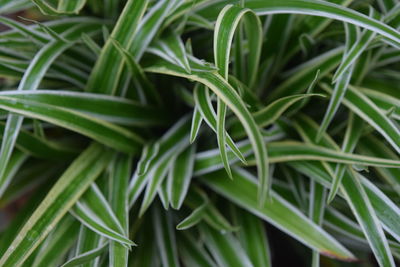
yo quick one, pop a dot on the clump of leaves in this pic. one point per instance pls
(167, 133)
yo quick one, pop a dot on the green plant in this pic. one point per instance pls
(187, 127)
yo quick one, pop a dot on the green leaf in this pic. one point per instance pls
(119, 181)
(38, 147)
(225, 27)
(364, 212)
(225, 92)
(57, 244)
(165, 238)
(14, 5)
(148, 154)
(324, 9)
(359, 203)
(176, 137)
(16, 161)
(300, 77)
(288, 151)
(100, 130)
(368, 111)
(253, 238)
(194, 218)
(146, 90)
(224, 248)
(68, 6)
(155, 177)
(93, 210)
(316, 211)
(180, 175)
(211, 215)
(196, 124)
(88, 241)
(170, 47)
(192, 253)
(203, 103)
(71, 185)
(241, 190)
(85, 257)
(91, 44)
(30, 81)
(104, 77)
(108, 108)
(373, 147)
(64, 7)
(353, 133)
(343, 77)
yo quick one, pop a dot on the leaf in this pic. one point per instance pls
(148, 154)
(150, 25)
(224, 248)
(386, 210)
(269, 114)
(359, 203)
(90, 43)
(146, 90)
(38, 147)
(316, 211)
(194, 218)
(196, 124)
(300, 77)
(225, 27)
(253, 238)
(192, 253)
(373, 147)
(203, 103)
(211, 215)
(71, 185)
(105, 77)
(30, 81)
(85, 257)
(221, 137)
(342, 78)
(37, 36)
(288, 151)
(147, 253)
(16, 161)
(89, 241)
(93, 210)
(109, 108)
(100, 130)
(324, 9)
(353, 133)
(180, 175)
(155, 178)
(225, 92)
(119, 181)
(368, 111)
(352, 55)
(241, 191)
(14, 5)
(176, 137)
(57, 244)
(64, 7)
(367, 219)
(165, 238)
(170, 47)
(75, 6)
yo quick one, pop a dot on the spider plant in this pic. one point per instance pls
(199, 133)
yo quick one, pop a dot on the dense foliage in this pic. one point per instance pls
(199, 132)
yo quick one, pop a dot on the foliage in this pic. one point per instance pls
(171, 132)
